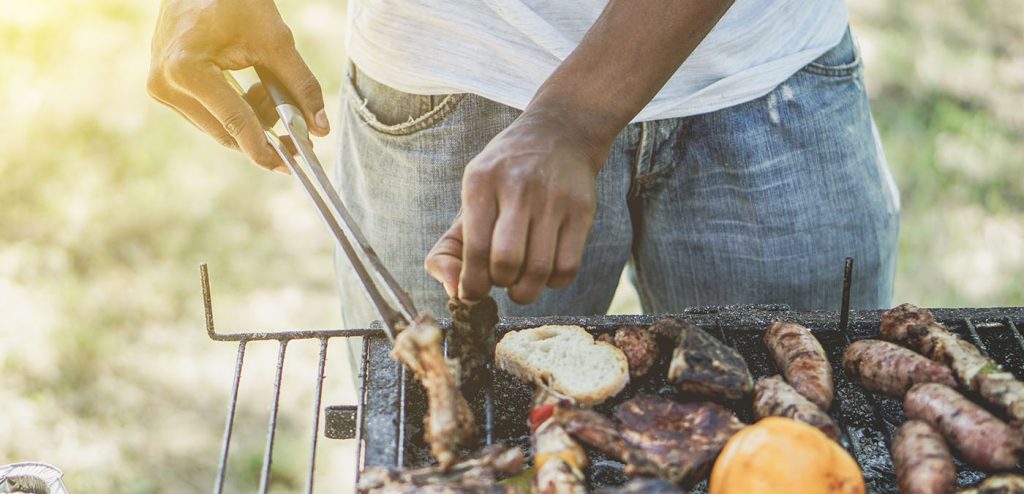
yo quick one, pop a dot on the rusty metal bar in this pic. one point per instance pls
(844, 311)
(230, 425)
(268, 456)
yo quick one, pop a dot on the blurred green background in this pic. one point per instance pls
(108, 202)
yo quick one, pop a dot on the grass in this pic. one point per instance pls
(109, 202)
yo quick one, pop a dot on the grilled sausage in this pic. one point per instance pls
(922, 460)
(896, 321)
(998, 484)
(774, 397)
(799, 356)
(891, 369)
(982, 439)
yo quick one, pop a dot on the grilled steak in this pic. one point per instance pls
(891, 369)
(477, 474)
(775, 397)
(922, 460)
(982, 439)
(449, 422)
(917, 328)
(800, 358)
(703, 365)
(656, 436)
(998, 484)
(473, 328)
(638, 344)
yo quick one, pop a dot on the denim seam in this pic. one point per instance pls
(423, 122)
(845, 70)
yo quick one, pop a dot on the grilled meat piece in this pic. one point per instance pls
(982, 439)
(891, 369)
(473, 327)
(449, 422)
(703, 365)
(800, 357)
(918, 329)
(896, 321)
(558, 459)
(477, 474)
(998, 484)
(775, 397)
(638, 344)
(680, 441)
(922, 460)
(643, 486)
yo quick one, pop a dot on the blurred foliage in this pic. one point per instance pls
(109, 202)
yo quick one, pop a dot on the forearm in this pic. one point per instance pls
(625, 58)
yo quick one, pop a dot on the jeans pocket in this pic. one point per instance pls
(392, 112)
(842, 60)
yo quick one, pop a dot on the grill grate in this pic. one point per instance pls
(387, 421)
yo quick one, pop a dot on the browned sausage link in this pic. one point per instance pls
(891, 369)
(982, 439)
(896, 321)
(922, 460)
(774, 397)
(801, 359)
(998, 484)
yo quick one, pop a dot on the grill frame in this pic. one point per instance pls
(380, 420)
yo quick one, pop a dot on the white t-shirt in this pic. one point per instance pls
(504, 49)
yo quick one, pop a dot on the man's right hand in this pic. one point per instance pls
(196, 40)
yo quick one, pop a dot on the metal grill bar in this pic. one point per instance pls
(316, 414)
(973, 331)
(361, 408)
(268, 457)
(1016, 333)
(230, 423)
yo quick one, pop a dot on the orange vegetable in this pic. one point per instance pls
(783, 456)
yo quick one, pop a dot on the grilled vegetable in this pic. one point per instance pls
(998, 484)
(774, 397)
(800, 358)
(783, 456)
(982, 439)
(703, 365)
(558, 459)
(891, 369)
(922, 460)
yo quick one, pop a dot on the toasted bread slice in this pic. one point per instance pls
(565, 358)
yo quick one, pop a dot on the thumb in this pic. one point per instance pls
(302, 85)
(444, 261)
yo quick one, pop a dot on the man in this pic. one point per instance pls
(726, 150)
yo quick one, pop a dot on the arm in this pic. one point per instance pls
(196, 40)
(529, 198)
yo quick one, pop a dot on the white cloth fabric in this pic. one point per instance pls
(504, 49)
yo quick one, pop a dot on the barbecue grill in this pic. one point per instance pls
(387, 420)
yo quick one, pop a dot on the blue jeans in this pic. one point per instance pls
(757, 203)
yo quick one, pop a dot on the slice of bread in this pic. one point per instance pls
(565, 358)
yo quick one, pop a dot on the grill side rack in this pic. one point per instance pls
(387, 420)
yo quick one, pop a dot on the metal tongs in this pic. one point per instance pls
(393, 303)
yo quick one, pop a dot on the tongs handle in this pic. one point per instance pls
(274, 88)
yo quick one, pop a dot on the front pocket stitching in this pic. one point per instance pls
(422, 122)
(844, 70)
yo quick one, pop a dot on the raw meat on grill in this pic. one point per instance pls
(449, 422)
(473, 330)
(800, 358)
(891, 369)
(917, 328)
(703, 365)
(774, 397)
(981, 439)
(998, 484)
(476, 474)
(922, 460)
(638, 344)
(657, 436)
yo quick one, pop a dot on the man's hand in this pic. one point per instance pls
(196, 40)
(528, 201)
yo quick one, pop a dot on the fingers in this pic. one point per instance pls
(539, 261)
(259, 99)
(572, 239)
(477, 228)
(191, 109)
(302, 85)
(508, 246)
(233, 112)
(444, 261)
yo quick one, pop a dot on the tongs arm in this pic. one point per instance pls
(392, 302)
